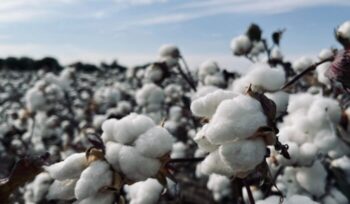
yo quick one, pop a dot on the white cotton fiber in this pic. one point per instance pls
(302, 63)
(338, 196)
(243, 155)
(148, 94)
(136, 166)
(325, 54)
(300, 199)
(100, 198)
(219, 185)
(213, 163)
(145, 192)
(169, 50)
(313, 179)
(344, 30)
(231, 119)
(208, 67)
(92, 179)
(206, 105)
(281, 100)
(40, 186)
(276, 53)
(70, 168)
(269, 200)
(63, 190)
(112, 154)
(108, 129)
(324, 110)
(202, 91)
(321, 73)
(260, 77)
(307, 153)
(155, 142)
(203, 142)
(178, 150)
(241, 45)
(325, 140)
(300, 101)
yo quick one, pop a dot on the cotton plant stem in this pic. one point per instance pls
(307, 70)
(250, 194)
(184, 76)
(183, 160)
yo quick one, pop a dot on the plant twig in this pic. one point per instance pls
(184, 76)
(181, 160)
(250, 194)
(307, 70)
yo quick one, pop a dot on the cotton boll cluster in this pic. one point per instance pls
(106, 97)
(301, 64)
(209, 74)
(173, 93)
(241, 45)
(321, 73)
(220, 186)
(135, 140)
(343, 34)
(226, 136)
(37, 190)
(144, 192)
(259, 78)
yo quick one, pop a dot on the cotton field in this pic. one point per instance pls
(165, 132)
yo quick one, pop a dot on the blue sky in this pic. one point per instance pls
(133, 30)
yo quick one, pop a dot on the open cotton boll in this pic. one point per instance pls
(92, 179)
(307, 154)
(241, 45)
(130, 160)
(206, 105)
(300, 101)
(325, 140)
(202, 91)
(112, 154)
(40, 186)
(178, 150)
(70, 168)
(281, 100)
(325, 54)
(63, 190)
(100, 198)
(153, 73)
(219, 185)
(298, 199)
(169, 50)
(35, 100)
(243, 155)
(344, 30)
(324, 110)
(208, 67)
(127, 129)
(108, 129)
(215, 80)
(235, 119)
(146, 192)
(276, 53)
(213, 163)
(260, 77)
(321, 73)
(148, 94)
(203, 142)
(313, 179)
(293, 150)
(154, 143)
(302, 63)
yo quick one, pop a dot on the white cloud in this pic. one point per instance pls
(140, 2)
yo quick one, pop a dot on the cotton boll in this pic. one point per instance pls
(300, 101)
(203, 142)
(298, 199)
(302, 63)
(35, 100)
(293, 150)
(260, 78)
(146, 192)
(108, 129)
(154, 143)
(231, 118)
(215, 80)
(130, 160)
(92, 179)
(112, 154)
(213, 163)
(258, 47)
(281, 100)
(202, 91)
(208, 67)
(313, 179)
(100, 198)
(70, 168)
(41, 185)
(325, 110)
(150, 94)
(178, 150)
(63, 190)
(243, 155)
(325, 140)
(207, 105)
(344, 30)
(219, 185)
(169, 50)
(276, 53)
(325, 54)
(241, 45)
(321, 73)
(307, 154)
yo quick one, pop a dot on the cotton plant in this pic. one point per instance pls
(209, 73)
(220, 186)
(114, 162)
(144, 192)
